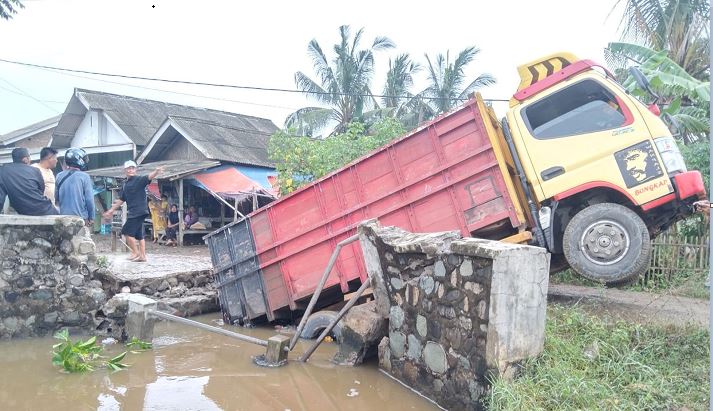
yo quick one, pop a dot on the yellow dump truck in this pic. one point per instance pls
(602, 174)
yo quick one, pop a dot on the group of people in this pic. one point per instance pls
(35, 190)
(166, 219)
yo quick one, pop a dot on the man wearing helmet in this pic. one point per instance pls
(134, 195)
(74, 192)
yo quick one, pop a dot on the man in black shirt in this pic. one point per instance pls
(24, 186)
(134, 195)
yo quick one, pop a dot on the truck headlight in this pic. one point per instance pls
(671, 156)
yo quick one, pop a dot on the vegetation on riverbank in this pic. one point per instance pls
(589, 363)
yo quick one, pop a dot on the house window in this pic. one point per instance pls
(584, 107)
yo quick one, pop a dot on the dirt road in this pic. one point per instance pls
(663, 309)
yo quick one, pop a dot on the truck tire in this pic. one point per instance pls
(317, 322)
(607, 243)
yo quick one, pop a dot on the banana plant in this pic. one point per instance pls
(82, 356)
(685, 100)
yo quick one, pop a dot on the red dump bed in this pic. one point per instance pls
(443, 176)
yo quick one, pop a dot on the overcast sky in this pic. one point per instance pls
(264, 43)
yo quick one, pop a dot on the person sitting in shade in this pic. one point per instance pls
(172, 226)
(190, 218)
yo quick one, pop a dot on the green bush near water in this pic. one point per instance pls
(82, 356)
(588, 363)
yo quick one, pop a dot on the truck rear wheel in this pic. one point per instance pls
(608, 243)
(317, 322)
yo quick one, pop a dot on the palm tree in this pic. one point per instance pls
(9, 7)
(397, 99)
(342, 84)
(448, 82)
(677, 26)
(399, 80)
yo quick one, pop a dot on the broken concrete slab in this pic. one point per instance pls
(362, 330)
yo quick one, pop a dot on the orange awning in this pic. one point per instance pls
(228, 182)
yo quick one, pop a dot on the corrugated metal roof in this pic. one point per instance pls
(140, 118)
(235, 141)
(30, 130)
(172, 169)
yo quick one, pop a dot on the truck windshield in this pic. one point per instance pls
(584, 107)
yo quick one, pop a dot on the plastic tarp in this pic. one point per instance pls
(153, 190)
(231, 182)
(259, 175)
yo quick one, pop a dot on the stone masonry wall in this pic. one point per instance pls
(49, 280)
(45, 282)
(458, 309)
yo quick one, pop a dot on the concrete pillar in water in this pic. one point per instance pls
(276, 349)
(139, 323)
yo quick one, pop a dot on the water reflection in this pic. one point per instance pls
(176, 393)
(190, 369)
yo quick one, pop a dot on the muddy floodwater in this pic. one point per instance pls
(191, 369)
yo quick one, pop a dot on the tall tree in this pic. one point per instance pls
(399, 80)
(342, 84)
(678, 26)
(9, 7)
(448, 83)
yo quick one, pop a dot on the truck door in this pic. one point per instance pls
(586, 132)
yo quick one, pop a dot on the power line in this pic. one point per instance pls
(23, 93)
(199, 83)
(172, 92)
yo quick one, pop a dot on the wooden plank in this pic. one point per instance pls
(180, 212)
(522, 237)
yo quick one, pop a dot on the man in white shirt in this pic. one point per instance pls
(48, 161)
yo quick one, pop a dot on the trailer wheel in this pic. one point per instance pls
(608, 243)
(317, 322)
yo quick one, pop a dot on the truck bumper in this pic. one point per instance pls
(689, 184)
(688, 187)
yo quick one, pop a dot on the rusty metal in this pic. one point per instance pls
(334, 322)
(320, 286)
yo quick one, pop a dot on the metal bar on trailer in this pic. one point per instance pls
(334, 322)
(318, 290)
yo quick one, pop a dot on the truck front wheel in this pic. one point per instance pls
(607, 243)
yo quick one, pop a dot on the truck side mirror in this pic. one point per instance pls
(643, 82)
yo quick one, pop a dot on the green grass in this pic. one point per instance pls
(591, 364)
(684, 283)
